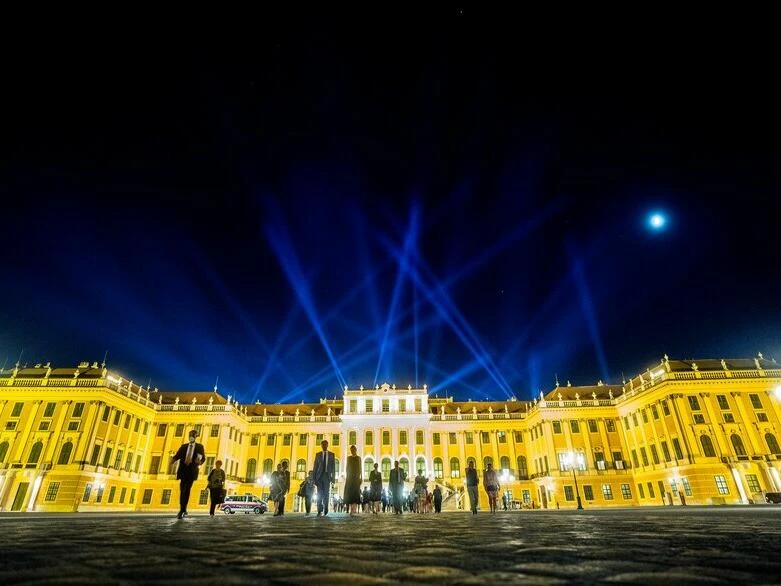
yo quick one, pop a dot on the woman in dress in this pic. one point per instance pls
(216, 485)
(352, 481)
(491, 483)
(375, 489)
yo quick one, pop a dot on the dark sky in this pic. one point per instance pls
(446, 208)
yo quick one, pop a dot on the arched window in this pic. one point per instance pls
(268, 466)
(523, 472)
(472, 461)
(420, 464)
(65, 453)
(737, 445)
(419, 437)
(301, 469)
(487, 460)
(707, 446)
(504, 464)
(772, 445)
(455, 468)
(404, 465)
(3, 450)
(386, 468)
(368, 466)
(252, 468)
(352, 438)
(336, 466)
(369, 438)
(438, 468)
(35, 454)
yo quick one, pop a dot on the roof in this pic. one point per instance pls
(273, 410)
(186, 397)
(583, 392)
(484, 407)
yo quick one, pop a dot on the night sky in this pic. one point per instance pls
(307, 213)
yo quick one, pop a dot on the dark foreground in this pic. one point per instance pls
(665, 545)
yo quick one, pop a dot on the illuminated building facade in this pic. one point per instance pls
(694, 432)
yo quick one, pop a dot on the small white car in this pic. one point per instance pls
(244, 503)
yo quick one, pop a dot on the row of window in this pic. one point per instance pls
(574, 426)
(403, 406)
(723, 401)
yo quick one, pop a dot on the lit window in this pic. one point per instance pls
(51, 491)
(607, 492)
(721, 484)
(626, 491)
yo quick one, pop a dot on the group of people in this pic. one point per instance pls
(373, 498)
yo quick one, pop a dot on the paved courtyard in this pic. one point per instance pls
(660, 545)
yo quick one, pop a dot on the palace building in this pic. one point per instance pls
(681, 432)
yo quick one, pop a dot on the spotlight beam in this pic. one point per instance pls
(589, 314)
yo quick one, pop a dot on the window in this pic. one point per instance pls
(517, 436)
(95, 454)
(111, 494)
(369, 406)
(117, 415)
(607, 492)
(132, 496)
(368, 438)
(268, 466)
(418, 405)
(271, 439)
(404, 465)
(203, 497)
(419, 437)
(721, 484)
(319, 438)
(651, 490)
(127, 421)
(302, 439)
(107, 457)
(252, 466)
(122, 494)
(44, 425)
(592, 426)
(78, 409)
(655, 415)
(138, 464)
(368, 466)
(634, 419)
(301, 469)
(335, 438)
(694, 404)
(386, 468)
(737, 445)
(353, 406)
(599, 458)
(501, 436)
(523, 473)
(146, 429)
(485, 437)
(87, 492)
(455, 468)
(756, 402)
(179, 430)
(772, 444)
(644, 456)
(73, 426)
(118, 459)
(504, 464)
(49, 410)
(65, 454)
(723, 403)
(686, 486)
(674, 488)
(215, 431)
(469, 437)
(654, 454)
(753, 483)
(640, 490)
(707, 446)
(665, 408)
(438, 468)
(129, 461)
(635, 461)
(645, 415)
(166, 496)
(569, 493)
(254, 439)
(626, 423)
(402, 405)
(699, 418)
(154, 465)
(588, 492)
(557, 427)
(610, 425)
(403, 438)
(51, 491)
(352, 438)
(287, 439)
(386, 437)
(677, 449)
(435, 439)
(729, 418)
(35, 454)
(161, 429)
(626, 491)
(385, 406)
(665, 451)
(762, 417)
(17, 410)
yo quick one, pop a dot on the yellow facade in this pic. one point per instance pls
(694, 432)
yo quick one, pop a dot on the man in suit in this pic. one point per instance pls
(323, 475)
(190, 457)
(396, 486)
(471, 485)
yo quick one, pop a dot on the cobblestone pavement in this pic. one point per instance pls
(663, 545)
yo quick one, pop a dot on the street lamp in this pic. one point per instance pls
(572, 460)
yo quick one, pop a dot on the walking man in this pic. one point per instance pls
(190, 457)
(471, 485)
(396, 486)
(323, 475)
(437, 499)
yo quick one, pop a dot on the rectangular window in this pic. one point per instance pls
(106, 457)
(203, 498)
(129, 461)
(254, 439)
(179, 430)
(607, 492)
(161, 429)
(335, 439)
(435, 439)
(626, 492)
(87, 493)
(626, 423)
(132, 495)
(154, 466)
(127, 421)
(762, 417)
(699, 418)
(592, 426)
(721, 484)
(117, 415)
(645, 415)
(484, 437)
(271, 439)
(654, 454)
(665, 451)
(674, 489)
(118, 460)
(556, 426)
(588, 492)
(368, 439)
(385, 438)
(369, 406)
(418, 405)
(95, 455)
(122, 494)
(353, 406)
(618, 457)
(610, 425)
(51, 492)
(146, 428)
(352, 438)
(644, 456)
(49, 410)
(501, 436)
(693, 403)
(723, 403)
(78, 409)
(166, 497)
(654, 412)
(287, 439)
(44, 425)
(302, 439)
(753, 483)
(402, 405)
(73, 426)
(517, 436)
(665, 408)
(403, 438)
(452, 438)
(640, 490)
(634, 419)
(146, 499)
(635, 461)
(677, 449)
(17, 410)
(686, 486)
(756, 402)
(215, 431)
(385, 406)
(660, 484)
(469, 437)
(729, 418)
(138, 464)
(99, 496)
(569, 493)
(208, 465)
(111, 494)
(651, 490)
(574, 426)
